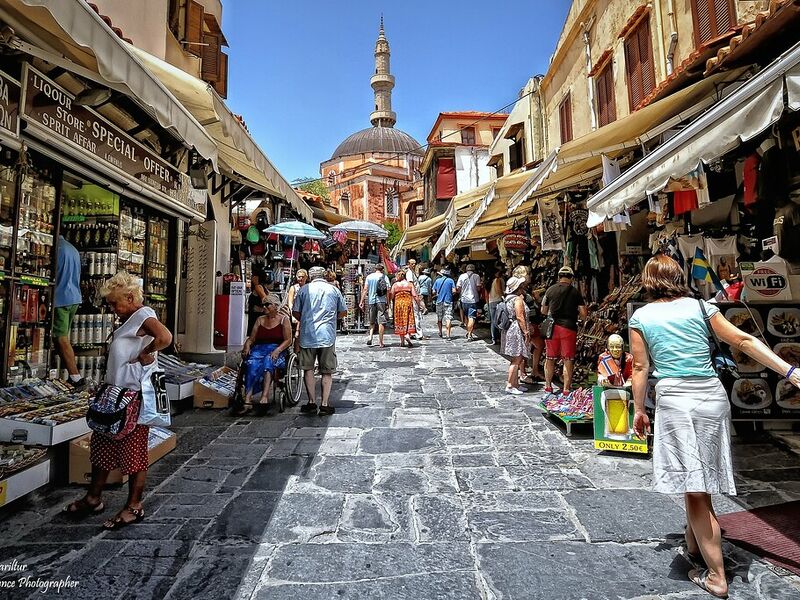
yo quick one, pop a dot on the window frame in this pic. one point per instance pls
(392, 196)
(711, 6)
(604, 82)
(463, 129)
(565, 119)
(635, 74)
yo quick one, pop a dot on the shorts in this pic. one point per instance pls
(325, 357)
(129, 454)
(377, 314)
(444, 312)
(62, 320)
(563, 344)
(470, 308)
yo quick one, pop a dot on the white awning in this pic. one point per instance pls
(74, 30)
(237, 149)
(472, 221)
(748, 111)
(538, 175)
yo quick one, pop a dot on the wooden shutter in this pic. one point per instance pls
(606, 101)
(194, 28)
(639, 66)
(565, 117)
(646, 58)
(221, 85)
(211, 58)
(711, 19)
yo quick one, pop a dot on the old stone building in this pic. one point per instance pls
(371, 174)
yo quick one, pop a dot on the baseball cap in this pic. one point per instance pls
(566, 272)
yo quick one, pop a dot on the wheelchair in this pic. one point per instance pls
(287, 385)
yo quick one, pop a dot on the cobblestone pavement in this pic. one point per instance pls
(428, 482)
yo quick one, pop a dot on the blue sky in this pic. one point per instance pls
(299, 70)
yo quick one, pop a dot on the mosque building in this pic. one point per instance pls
(374, 173)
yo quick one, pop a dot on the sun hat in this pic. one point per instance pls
(513, 284)
(566, 272)
(271, 299)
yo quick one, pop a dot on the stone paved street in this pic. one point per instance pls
(428, 482)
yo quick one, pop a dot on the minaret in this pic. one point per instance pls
(382, 83)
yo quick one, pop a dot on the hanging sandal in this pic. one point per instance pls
(700, 579)
(82, 508)
(118, 522)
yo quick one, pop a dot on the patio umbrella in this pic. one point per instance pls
(362, 228)
(295, 229)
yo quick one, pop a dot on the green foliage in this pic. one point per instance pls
(314, 186)
(395, 234)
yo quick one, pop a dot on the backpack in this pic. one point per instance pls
(114, 411)
(381, 289)
(502, 320)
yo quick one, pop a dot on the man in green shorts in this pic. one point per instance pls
(67, 300)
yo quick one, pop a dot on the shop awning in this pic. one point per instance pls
(328, 218)
(75, 31)
(741, 116)
(418, 235)
(584, 154)
(237, 149)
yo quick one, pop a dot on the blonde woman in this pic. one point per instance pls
(265, 350)
(131, 355)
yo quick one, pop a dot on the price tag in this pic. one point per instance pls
(640, 447)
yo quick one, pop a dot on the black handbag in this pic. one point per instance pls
(547, 326)
(722, 361)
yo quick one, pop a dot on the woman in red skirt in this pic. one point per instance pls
(403, 296)
(130, 355)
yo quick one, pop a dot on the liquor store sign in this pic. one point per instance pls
(50, 107)
(9, 104)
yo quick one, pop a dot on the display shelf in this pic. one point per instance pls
(24, 482)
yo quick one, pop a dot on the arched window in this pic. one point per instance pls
(344, 204)
(392, 204)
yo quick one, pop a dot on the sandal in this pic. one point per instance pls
(118, 522)
(700, 579)
(83, 508)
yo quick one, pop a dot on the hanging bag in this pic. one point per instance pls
(114, 411)
(723, 363)
(502, 320)
(155, 401)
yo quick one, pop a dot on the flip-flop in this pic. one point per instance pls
(83, 509)
(695, 560)
(699, 578)
(118, 522)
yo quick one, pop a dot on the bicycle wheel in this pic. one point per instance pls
(293, 380)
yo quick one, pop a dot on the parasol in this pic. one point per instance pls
(295, 229)
(362, 228)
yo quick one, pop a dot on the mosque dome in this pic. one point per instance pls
(377, 139)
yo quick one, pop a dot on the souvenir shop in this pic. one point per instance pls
(67, 170)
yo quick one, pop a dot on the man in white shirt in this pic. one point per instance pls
(375, 295)
(469, 286)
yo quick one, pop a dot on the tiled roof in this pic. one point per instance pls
(108, 22)
(600, 62)
(474, 114)
(634, 20)
(778, 10)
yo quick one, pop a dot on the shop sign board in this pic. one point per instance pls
(771, 243)
(478, 246)
(767, 281)
(613, 421)
(9, 104)
(52, 108)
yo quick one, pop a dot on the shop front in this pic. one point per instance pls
(72, 173)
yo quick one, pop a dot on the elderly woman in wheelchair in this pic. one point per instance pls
(266, 352)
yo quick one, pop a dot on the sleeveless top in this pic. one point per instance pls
(270, 335)
(125, 347)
